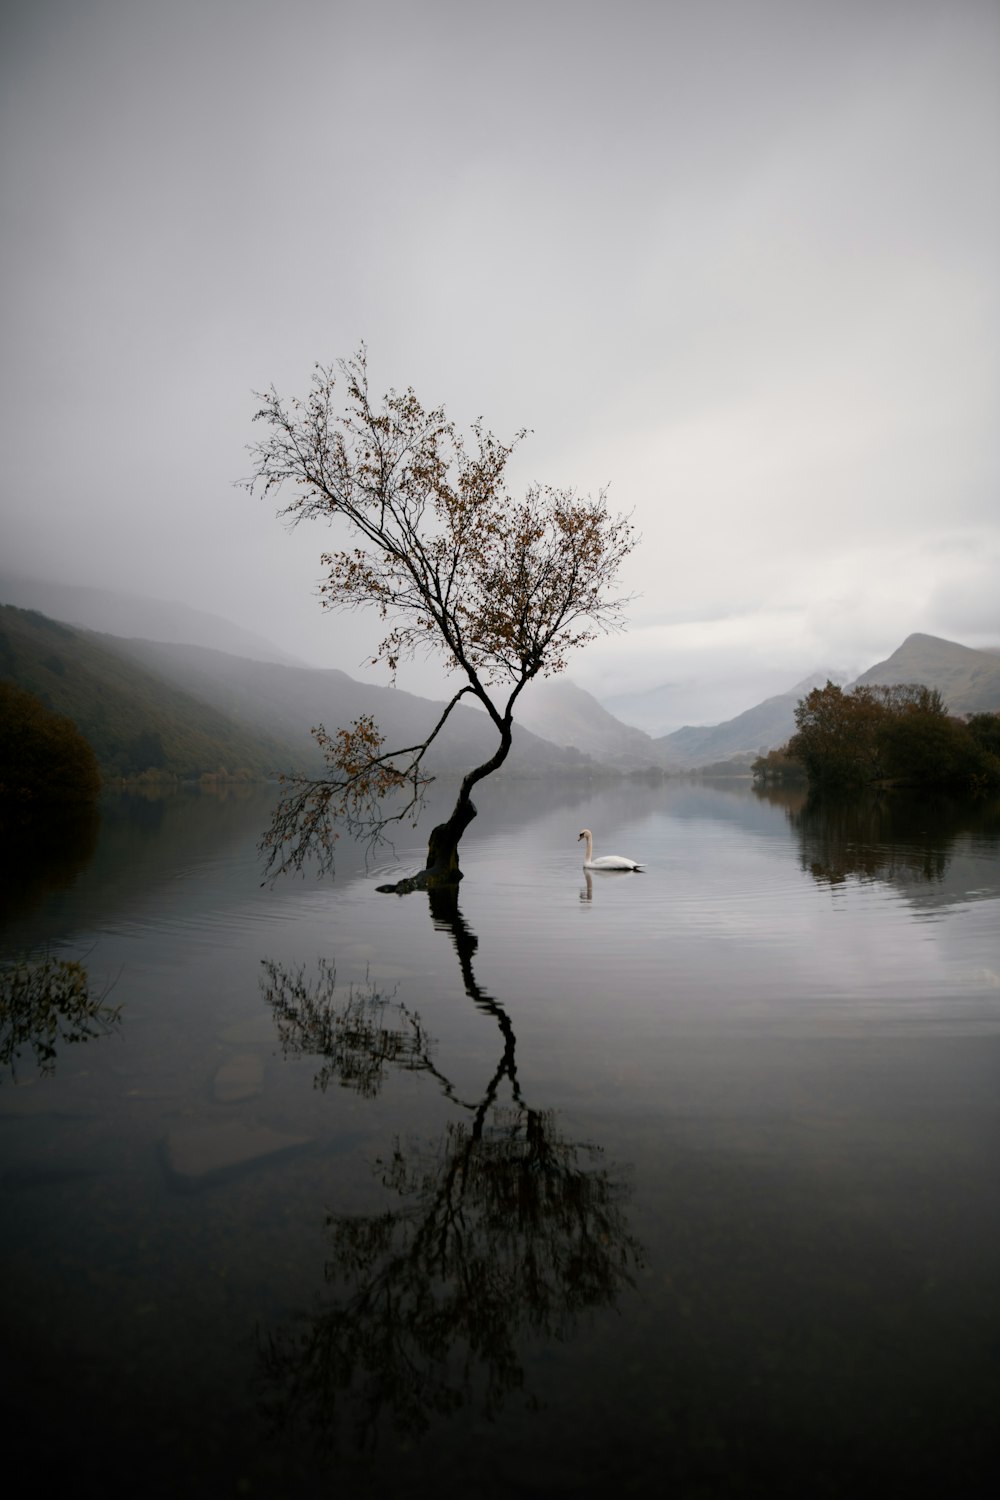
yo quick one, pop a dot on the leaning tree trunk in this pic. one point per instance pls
(442, 847)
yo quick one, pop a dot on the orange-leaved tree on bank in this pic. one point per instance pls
(502, 588)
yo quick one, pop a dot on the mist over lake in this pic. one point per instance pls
(675, 1181)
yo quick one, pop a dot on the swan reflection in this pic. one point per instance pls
(587, 894)
(499, 1229)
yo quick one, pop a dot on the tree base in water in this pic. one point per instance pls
(442, 855)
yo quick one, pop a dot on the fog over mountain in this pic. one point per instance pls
(275, 699)
(968, 681)
(559, 723)
(123, 614)
(673, 707)
(561, 711)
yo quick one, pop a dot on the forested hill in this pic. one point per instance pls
(272, 699)
(188, 710)
(135, 720)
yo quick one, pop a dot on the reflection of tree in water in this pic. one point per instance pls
(46, 1004)
(499, 1231)
(776, 794)
(896, 838)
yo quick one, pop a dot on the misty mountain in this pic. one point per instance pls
(134, 719)
(186, 710)
(968, 680)
(669, 706)
(284, 709)
(286, 702)
(216, 695)
(567, 715)
(121, 614)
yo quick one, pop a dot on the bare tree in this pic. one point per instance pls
(503, 589)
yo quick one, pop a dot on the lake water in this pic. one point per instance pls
(676, 1183)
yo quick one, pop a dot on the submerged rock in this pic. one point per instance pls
(197, 1154)
(239, 1078)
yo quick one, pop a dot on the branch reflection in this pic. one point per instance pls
(47, 1004)
(499, 1231)
(349, 1029)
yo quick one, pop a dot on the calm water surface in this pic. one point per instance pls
(675, 1183)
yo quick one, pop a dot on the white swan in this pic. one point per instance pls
(606, 861)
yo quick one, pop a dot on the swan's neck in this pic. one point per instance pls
(588, 857)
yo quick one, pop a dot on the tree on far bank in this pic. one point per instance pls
(899, 734)
(923, 744)
(985, 730)
(44, 759)
(837, 738)
(502, 589)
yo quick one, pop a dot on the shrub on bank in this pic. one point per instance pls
(44, 758)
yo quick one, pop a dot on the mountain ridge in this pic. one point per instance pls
(268, 696)
(258, 691)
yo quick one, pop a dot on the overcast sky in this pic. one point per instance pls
(737, 259)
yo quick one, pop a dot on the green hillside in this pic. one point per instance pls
(275, 700)
(135, 720)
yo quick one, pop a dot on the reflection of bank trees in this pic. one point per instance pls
(776, 794)
(892, 837)
(42, 853)
(47, 1004)
(499, 1231)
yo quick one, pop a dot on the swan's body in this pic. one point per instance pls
(606, 861)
